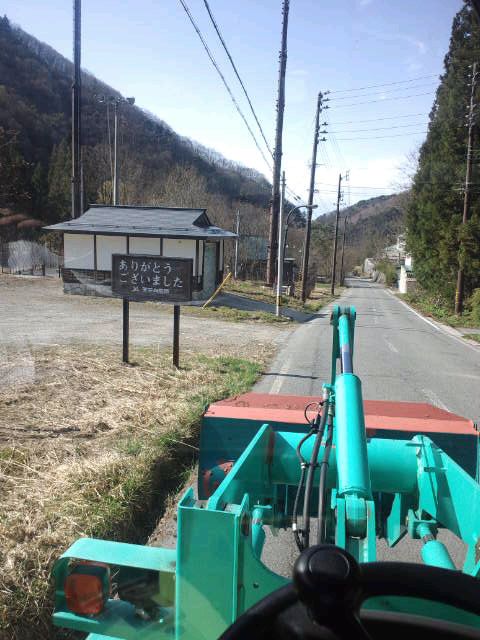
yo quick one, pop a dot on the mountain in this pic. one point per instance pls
(371, 225)
(156, 165)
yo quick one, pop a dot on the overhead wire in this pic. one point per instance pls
(381, 91)
(386, 84)
(394, 135)
(412, 95)
(335, 146)
(406, 115)
(217, 68)
(398, 126)
(217, 29)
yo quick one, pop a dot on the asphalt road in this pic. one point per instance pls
(398, 356)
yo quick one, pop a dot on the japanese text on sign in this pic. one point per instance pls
(146, 277)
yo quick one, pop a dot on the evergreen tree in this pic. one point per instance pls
(14, 179)
(59, 184)
(39, 184)
(434, 215)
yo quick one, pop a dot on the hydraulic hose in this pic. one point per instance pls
(322, 488)
(303, 467)
(296, 534)
(311, 473)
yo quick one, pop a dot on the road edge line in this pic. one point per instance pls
(447, 331)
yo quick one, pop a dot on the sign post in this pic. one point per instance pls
(143, 278)
(176, 336)
(126, 328)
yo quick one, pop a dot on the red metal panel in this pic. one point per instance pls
(379, 414)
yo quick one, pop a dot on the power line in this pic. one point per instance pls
(394, 135)
(376, 93)
(358, 194)
(398, 126)
(406, 115)
(213, 61)
(356, 186)
(217, 29)
(387, 84)
(354, 104)
(292, 194)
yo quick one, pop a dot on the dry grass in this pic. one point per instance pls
(256, 290)
(89, 446)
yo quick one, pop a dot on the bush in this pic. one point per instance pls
(389, 272)
(474, 304)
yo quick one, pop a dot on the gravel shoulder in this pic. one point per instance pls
(34, 312)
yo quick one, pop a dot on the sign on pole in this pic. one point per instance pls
(156, 278)
(143, 278)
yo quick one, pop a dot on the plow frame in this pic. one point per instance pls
(376, 487)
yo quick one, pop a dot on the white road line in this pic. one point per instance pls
(392, 347)
(469, 376)
(419, 315)
(434, 325)
(434, 399)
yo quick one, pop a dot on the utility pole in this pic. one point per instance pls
(277, 155)
(115, 156)
(236, 245)
(459, 294)
(116, 101)
(280, 249)
(334, 257)
(306, 250)
(76, 110)
(343, 248)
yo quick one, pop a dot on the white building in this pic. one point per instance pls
(90, 240)
(396, 252)
(407, 282)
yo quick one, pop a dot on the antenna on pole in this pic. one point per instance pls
(76, 110)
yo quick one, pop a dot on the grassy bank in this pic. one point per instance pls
(319, 297)
(472, 336)
(441, 309)
(236, 315)
(91, 447)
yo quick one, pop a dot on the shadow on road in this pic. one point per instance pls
(288, 375)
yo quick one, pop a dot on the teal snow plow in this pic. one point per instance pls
(337, 472)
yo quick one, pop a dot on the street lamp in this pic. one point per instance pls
(116, 101)
(282, 247)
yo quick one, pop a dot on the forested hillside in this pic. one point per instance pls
(372, 225)
(435, 213)
(157, 166)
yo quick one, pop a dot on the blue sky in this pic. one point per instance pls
(148, 49)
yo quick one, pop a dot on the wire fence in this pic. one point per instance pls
(26, 257)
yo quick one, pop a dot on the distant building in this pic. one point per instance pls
(253, 247)
(252, 257)
(396, 252)
(368, 266)
(90, 240)
(407, 282)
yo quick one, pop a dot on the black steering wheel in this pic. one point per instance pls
(329, 587)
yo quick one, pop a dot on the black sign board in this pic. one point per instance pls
(156, 278)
